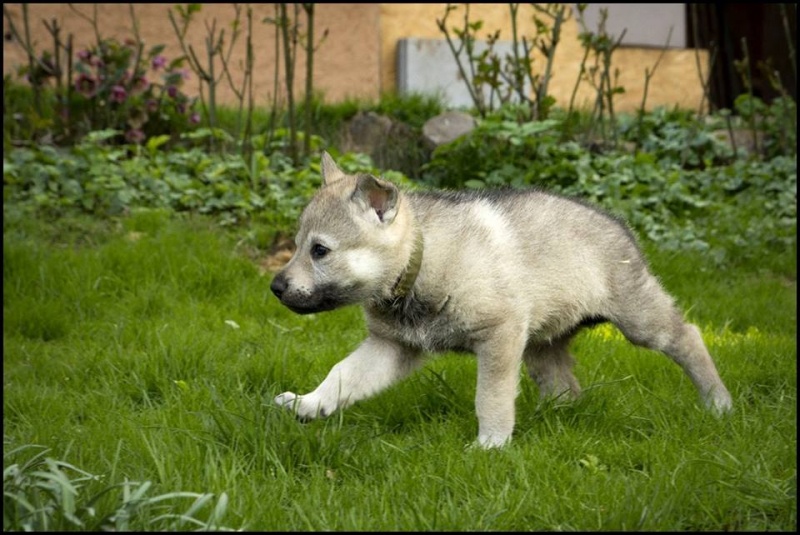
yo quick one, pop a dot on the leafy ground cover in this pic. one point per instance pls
(143, 351)
(670, 175)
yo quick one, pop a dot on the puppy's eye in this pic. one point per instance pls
(318, 251)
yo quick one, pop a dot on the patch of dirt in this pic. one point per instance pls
(279, 255)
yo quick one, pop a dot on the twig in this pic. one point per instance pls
(32, 60)
(550, 51)
(276, 79)
(239, 93)
(610, 90)
(518, 82)
(290, 55)
(789, 39)
(648, 74)
(581, 75)
(309, 9)
(91, 20)
(180, 33)
(749, 81)
(442, 24)
(705, 81)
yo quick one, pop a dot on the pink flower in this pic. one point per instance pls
(194, 118)
(140, 85)
(172, 91)
(118, 93)
(84, 55)
(151, 105)
(124, 78)
(85, 85)
(137, 117)
(134, 136)
(158, 62)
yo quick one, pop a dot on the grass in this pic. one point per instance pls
(150, 350)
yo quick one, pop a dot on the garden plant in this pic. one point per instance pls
(143, 348)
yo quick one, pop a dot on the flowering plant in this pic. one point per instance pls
(117, 86)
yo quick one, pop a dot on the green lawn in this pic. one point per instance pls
(150, 350)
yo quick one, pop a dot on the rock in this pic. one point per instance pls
(740, 138)
(365, 132)
(390, 144)
(446, 127)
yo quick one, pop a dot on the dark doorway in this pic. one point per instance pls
(721, 27)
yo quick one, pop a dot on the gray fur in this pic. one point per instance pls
(509, 275)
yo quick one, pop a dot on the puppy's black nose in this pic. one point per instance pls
(278, 286)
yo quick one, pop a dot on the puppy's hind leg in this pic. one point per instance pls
(374, 366)
(550, 366)
(656, 323)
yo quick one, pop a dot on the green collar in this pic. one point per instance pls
(409, 275)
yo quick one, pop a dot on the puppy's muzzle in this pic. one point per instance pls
(297, 301)
(278, 286)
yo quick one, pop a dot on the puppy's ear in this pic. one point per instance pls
(378, 198)
(330, 172)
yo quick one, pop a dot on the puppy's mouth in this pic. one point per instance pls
(309, 308)
(322, 299)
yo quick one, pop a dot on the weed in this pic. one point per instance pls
(44, 494)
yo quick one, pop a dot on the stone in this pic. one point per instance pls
(446, 127)
(366, 131)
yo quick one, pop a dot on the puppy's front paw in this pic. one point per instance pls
(487, 441)
(305, 407)
(287, 399)
(719, 402)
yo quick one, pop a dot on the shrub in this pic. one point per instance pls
(683, 189)
(412, 109)
(777, 121)
(499, 151)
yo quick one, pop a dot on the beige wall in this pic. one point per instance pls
(676, 80)
(358, 58)
(419, 20)
(346, 63)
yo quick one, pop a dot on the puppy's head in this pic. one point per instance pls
(348, 243)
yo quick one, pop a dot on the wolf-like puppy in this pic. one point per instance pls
(510, 275)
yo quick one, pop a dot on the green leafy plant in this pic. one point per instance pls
(413, 109)
(777, 123)
(684, 188)
(677, 137)
(45, 494)
(100, 178)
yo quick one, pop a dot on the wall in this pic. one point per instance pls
(346, 65)
(676, 80)
(358, 58)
